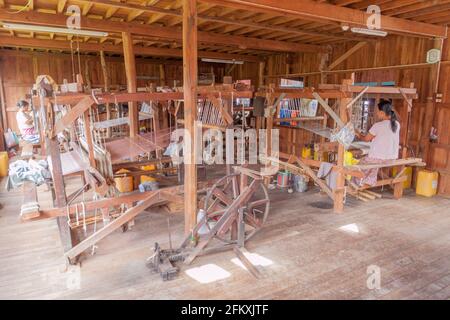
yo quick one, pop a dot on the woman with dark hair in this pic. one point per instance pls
(25, 120)
(384, 138)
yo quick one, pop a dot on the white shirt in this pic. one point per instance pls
(22, 122)
(386, 144)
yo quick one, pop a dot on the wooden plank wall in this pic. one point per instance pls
(387, 52)
(19, 69)
(440, 150)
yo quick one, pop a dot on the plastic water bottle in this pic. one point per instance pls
(201, 217)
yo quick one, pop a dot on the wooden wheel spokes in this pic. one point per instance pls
(219, 194)
(252, 221)
(257, 204)
(223, 192)
(222, 196)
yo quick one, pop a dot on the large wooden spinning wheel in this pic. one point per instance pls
(247, 197)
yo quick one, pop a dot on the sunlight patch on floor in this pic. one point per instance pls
(255, 259)
(350, 228)
(208, 273)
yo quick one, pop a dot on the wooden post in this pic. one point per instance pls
(340, 182)
(87, 74)
(52, 147)
(288, 64)
(106, 88)
(3, 105)
(67, 239)
(262, 67)
(190, 74)
(323, 80)
(162, 78)
(130, 69)
(162, 75)
(88, 135)
(259, 120)
(104, 71)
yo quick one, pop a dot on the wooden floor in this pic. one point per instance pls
(310, 253)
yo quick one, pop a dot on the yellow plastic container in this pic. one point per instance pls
(4, 164)
(125, 184)
(427, 183)
(306, 153)
(408, 172)
(349, 161)
(348, 158)
(145, 179)
(151, 167)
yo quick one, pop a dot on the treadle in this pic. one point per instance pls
(162, 262)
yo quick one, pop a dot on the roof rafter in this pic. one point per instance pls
(59, 20)
(324, 12)
(138, 10)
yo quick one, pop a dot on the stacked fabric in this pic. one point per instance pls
(34, 171)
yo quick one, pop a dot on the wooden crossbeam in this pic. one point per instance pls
(329, 110)
(389, 164)
(246, 262)
(171, 194)
(73, 114)
(302, 169)
(129, 215)
(357, 98)
(385, 182)
(346, 55)
(217, 103)
(30, 204)
(298, 119)
(313, 176)
(139, 50)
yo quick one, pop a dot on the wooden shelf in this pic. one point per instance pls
(302, 119)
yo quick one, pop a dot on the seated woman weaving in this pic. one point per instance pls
(385, 142)
(25, 122)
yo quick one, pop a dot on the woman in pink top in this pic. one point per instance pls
(384, 137)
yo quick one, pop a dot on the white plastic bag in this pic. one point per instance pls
(11, 139)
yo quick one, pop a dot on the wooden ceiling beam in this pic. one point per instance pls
(443, 8)
(61, 6)
(417, 7)
(94, 47)
(205, 17)
(59, 20)
(314, 11)
(86, 8)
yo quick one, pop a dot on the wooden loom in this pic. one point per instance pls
(115, 211)
(345, 96)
